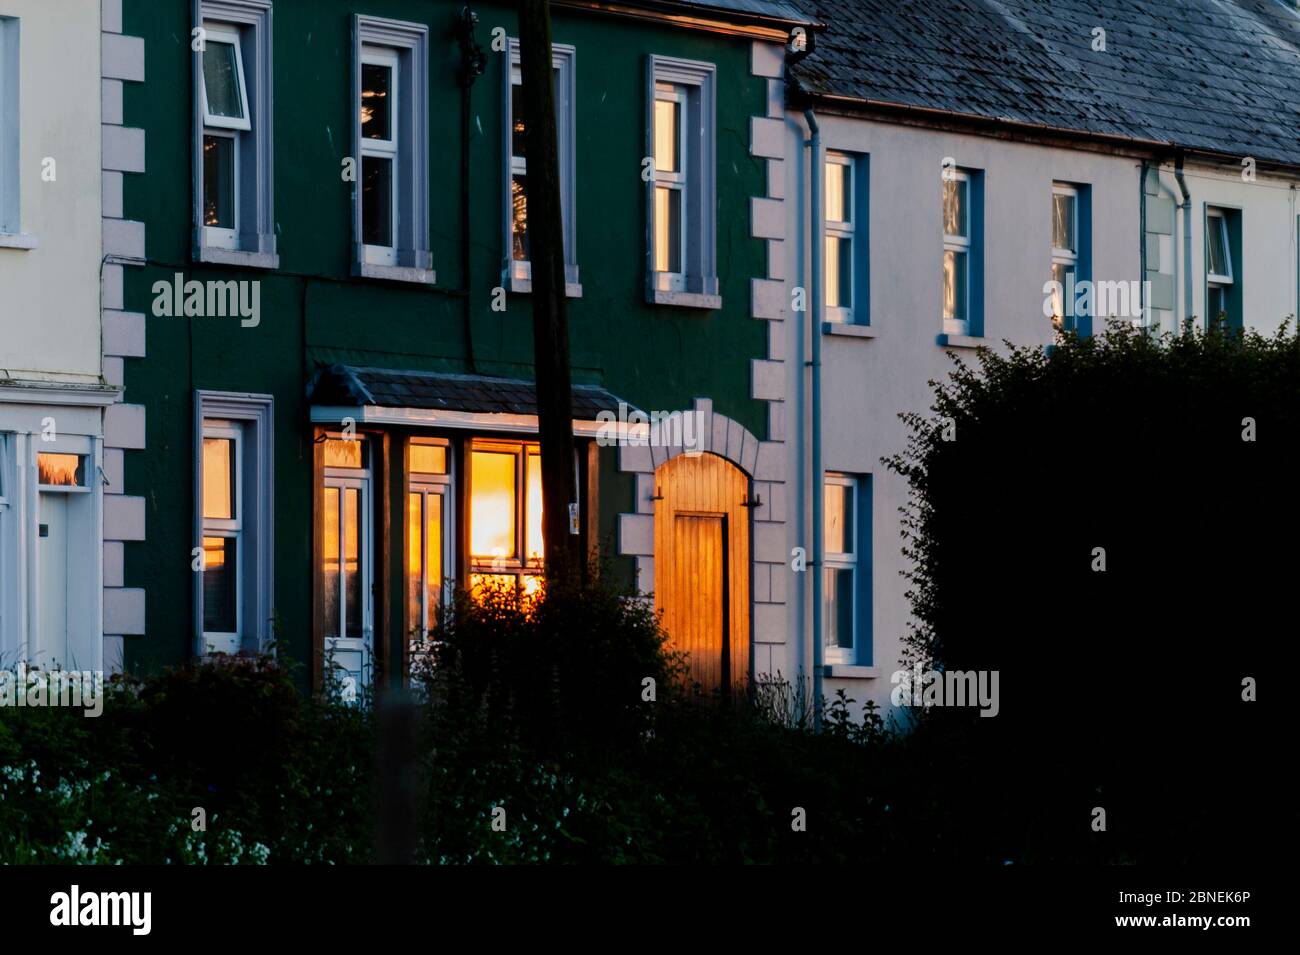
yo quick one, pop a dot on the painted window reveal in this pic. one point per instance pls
(391, 143)
(846, 578)
(845, 265)
(518, 266)
(505, 515)
(9, 161)
(1065, 252)
(681, 191)
(234, 213)
(347, 563)
(1222, 266)
(429, 563)
(956, 252)
(841, 561)
(233, 522)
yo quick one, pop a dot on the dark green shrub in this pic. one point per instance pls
(1119, 688)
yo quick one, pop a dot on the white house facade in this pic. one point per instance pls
(938, 202)
(58, 412)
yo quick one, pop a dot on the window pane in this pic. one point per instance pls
(954, 207)
(480, 582)
(838, 519)
(221, 80)
(838, 193)
(219, 478)
(342, 453)
(377, 201)
(668, 229)
(519, 217)
(839, 272)
(1218, 303)
(60, 470)
(837, 586)
(954, 285)
(534, 584)
(414, 564)
(219, 181)
(1061, 276)
(376, 101)
(352, 560)
(1063, 222)
(518, 141)
(433, 517)
(534, 545)
(667, 135)
(428, 459)
(330, 561)
(492, 504)
(1218, 247)
(220, 587)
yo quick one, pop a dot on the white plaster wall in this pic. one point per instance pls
(1268, 237)
(868, 382)
(49, 295)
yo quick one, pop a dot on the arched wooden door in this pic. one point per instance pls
(702, 566)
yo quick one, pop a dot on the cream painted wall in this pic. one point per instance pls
(868, 382)
(1269, 208)
(49, 295)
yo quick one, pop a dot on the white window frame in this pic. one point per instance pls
(434, 486)
(1216, 219)
(844, 561)
(409, 258)
(218, 237)
(697, 285)
(385, 149)
(362, 481)
(678, 181)
(224, 34)
(251, 417)
(251, 242)
(1066, 257)
(232, 527)
(518, 272)
(845, 231)
(960, 244)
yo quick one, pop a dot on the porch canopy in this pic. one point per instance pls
(439, 399)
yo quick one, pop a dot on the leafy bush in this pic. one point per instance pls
(1174, 462)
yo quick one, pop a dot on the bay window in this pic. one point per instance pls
(505, 515)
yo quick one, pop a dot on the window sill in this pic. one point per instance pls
(683, 299)
(395, 273)
(962, 341)
(249, 260)
(850, 671)
(18, 240)
(520, 286)
(848, 330)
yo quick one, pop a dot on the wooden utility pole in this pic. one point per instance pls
(550, 317)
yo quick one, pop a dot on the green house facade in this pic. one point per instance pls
(327, 328)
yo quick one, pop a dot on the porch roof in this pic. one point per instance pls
(354, 386)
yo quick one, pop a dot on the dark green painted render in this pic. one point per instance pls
(313, 310)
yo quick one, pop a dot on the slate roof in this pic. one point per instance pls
(353, 386)
(1219, 76)
(787, 10)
